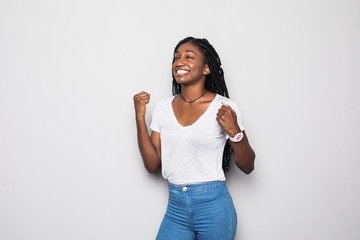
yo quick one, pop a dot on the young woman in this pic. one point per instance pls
(194, 134)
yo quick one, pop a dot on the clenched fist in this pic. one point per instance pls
(140, 101)
(227, 119)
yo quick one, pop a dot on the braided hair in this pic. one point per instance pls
(214, 82)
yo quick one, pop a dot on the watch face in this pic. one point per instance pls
(238, 137)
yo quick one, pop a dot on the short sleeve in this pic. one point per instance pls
(239, 117)
(155, 123)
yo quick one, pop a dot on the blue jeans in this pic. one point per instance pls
(200, 211)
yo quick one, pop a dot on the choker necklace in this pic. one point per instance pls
(189, 102)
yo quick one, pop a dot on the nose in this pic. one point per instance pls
(179, 63)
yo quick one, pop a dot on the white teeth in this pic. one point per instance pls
(181, 71)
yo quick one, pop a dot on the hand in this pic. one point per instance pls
(227, 119)
(140, 101)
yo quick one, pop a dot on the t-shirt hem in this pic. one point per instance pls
(181, 183)
(154, 129)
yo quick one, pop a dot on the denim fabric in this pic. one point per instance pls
(200, 211)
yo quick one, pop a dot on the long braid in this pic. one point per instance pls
(215, 81)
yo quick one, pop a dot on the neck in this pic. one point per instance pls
(192, 92)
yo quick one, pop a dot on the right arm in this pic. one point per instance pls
(149, 146)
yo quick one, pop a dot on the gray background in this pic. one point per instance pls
(69, 164)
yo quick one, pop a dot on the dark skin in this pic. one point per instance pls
(189, 69)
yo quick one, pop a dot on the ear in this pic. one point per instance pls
(206, 69)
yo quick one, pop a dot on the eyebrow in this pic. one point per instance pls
(187, 51)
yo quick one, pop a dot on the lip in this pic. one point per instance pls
(181, 72)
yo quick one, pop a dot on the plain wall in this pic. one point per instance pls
(69, 164)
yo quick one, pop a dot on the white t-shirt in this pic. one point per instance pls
(192, 154)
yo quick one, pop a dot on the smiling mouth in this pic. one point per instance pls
(181, 72)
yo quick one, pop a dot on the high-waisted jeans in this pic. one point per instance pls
(200, 211)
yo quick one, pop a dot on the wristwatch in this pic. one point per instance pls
(238, 137)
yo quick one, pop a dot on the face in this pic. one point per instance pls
(189, 65)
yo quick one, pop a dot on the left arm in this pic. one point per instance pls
(244, 155)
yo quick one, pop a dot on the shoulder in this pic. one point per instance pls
(219, 99)
(164, 103)
(165, 100)
(222, 98)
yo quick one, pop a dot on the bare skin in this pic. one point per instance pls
(190, 70)
(150, 147)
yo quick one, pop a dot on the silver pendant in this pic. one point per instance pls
(188, 104)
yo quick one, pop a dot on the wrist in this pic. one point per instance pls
(140, 117)
(234, 131)
(238, 137)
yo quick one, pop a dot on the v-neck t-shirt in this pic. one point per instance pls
(192, 154)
